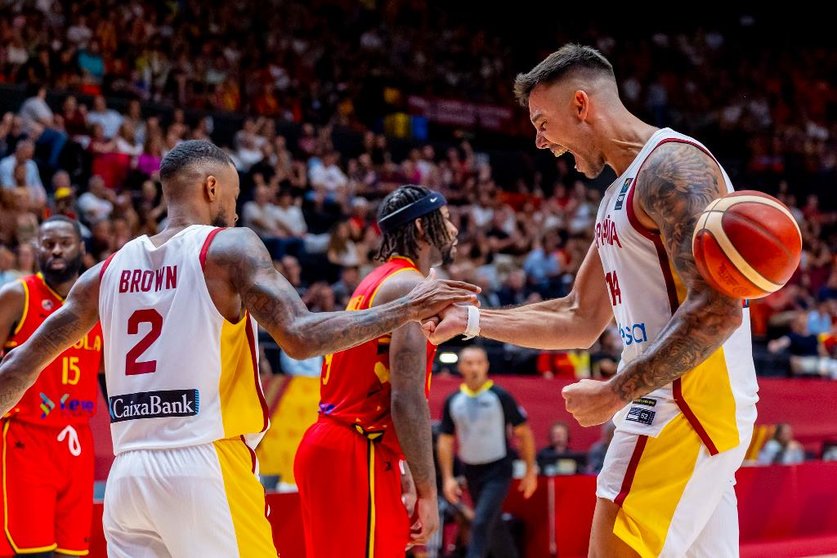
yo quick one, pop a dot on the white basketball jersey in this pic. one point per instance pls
(178, 373)
(645, 290)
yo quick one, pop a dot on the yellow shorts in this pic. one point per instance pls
(676, 499)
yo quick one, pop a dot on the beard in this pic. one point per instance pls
(448, 254)
(56, 276)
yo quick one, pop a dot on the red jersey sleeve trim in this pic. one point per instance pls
(206, 243)
(105, 266)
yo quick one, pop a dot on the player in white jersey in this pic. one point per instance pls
(179, 314)
(684, 397)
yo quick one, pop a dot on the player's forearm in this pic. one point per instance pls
(15, 379)
(697, 329)
(526, 445)
(552, 324)
(21, 367)
(411, 418)
(444, 453)
(329, 332)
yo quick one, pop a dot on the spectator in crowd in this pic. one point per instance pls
(342, 251)
(7, 266)
(327, 177)
(96, 204)
(65, 204)
(24, 151)
(557, 457)
(74, 117)
(260, 215)
(819, 318)
(39, 124)
(346, 285)
(803, 347)
(109, 119)
(477, 416)
(605, 354)
(35, 194)
(21, 223)
(782, 448)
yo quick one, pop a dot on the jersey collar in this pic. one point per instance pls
(471, 393)
(55, 294)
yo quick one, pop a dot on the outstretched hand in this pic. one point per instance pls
(591, 402)
(433, 295)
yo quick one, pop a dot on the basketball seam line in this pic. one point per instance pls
(730, 201)
(760, 227)
(742, 264)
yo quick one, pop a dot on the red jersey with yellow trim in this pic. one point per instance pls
(65, 392)
(354, 384)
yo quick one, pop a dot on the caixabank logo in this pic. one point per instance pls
(154, 404)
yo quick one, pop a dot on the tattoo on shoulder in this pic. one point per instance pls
(675, 185)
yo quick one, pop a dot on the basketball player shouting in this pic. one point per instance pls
(178, 313)
(684, 398)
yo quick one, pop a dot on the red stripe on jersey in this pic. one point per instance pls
(671, 289)
(206, 243)
(251, 452)
(630, 472)
(251, 340)
(654, 236)
(105, 266)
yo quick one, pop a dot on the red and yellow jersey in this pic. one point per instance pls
(65, 392)
(354, 384)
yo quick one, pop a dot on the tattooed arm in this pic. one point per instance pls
(240, 272)
(677, 182)
(21, 367)
(410, 412)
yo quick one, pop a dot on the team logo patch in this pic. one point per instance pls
(620, 199)
(640, 415)
(154, 404)
(46, 305)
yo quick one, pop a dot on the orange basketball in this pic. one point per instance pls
(747, 244)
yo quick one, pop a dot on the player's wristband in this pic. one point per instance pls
(472, 329)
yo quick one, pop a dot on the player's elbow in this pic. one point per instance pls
(586, 341)
(298, 350)
(736, 319)
(406, 403)
(295, 345)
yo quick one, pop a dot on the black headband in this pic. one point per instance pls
(408, 213)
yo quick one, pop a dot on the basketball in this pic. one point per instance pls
(747, 244)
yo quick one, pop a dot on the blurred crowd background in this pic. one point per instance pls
(327, 106)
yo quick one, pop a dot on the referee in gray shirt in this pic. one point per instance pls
(479, 416)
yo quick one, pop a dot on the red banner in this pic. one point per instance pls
(455, 112)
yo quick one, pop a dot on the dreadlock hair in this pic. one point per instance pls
(404, 240)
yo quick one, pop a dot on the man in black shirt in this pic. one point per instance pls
(479, 415)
